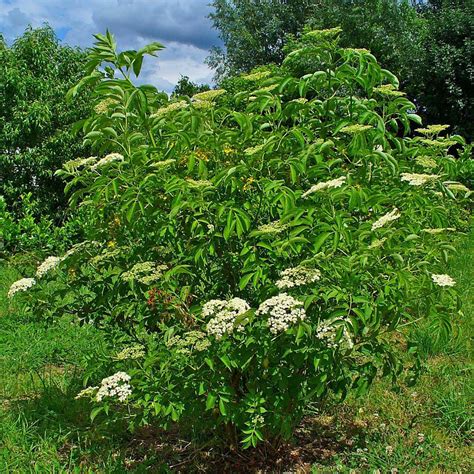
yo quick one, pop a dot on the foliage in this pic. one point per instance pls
(254, 32)
(186, 87)
(24, 232)
(252, 261)
(427, 44)
(35, 135)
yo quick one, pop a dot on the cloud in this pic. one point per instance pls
(181, 25)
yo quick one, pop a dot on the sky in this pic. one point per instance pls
(181, 25)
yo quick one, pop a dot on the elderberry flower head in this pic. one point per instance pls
(47, 265)
(297, 276)
(116, 385)
(443, 280)
(283, 311)
(224, 314)
(333, 183)
(20, 285)
(385, 219)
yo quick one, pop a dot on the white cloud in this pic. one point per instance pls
(181, 25)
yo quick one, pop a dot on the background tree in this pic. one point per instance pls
(185, 87)
(35, 120)
(254, 32)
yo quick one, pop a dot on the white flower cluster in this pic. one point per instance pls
(20, 285)
(73, 165)
(443, 280)
(333, 183)
(275, 227)
(189, 342)
(297, 276)
(137, 351)
(145, 272)
(224, 314)
(385, 219)
(116, 385)
(208, 95)
(163, 163)
(198, 183)
(426, 161)
(457, 187)
(377, 243)
(283, 311)
(107, 160)
(416, 179)
(327, 332)
(256, 76)
(439, 230)
(170, 108)
(47, 265)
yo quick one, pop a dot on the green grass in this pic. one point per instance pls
(424, 428)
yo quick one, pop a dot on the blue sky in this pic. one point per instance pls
(181, 25)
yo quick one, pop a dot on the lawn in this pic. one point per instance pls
(424, 428)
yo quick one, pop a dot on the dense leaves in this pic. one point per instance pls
(427, 44)
(254, 252)
(35, 121)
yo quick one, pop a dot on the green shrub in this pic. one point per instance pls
(249, 262)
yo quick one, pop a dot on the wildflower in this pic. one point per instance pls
(189, 342)
(333, 183)
(301, 100)
(385, 219)
(209, 95)
(256, 76)
(172, 107)
(144, 272)
(432, 129)
(323, 34)
(389, 450)
(457, 187)
(103, 106)
(426, 161)
(136, 351)
(116, 385)
(47, 265)
(254, 149)
(357, 128)
(389, 90)
(265, 89)
(275, 227)
(328, 332)
(73, 165)
(421, 438)
(248, 183)
(283, 311)
(227, 149)
(443, 280)
(88, 392)
(210, 227)
(202, 155)
(20, 285)
(440, 142)
(416, 179)
(200, 183)
(438, 230)
(377, 243)
(112, 157)
(224, 314)
(202, 104)
(163, 163)
(297, 276)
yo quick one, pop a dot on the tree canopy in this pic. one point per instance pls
(36, 71)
